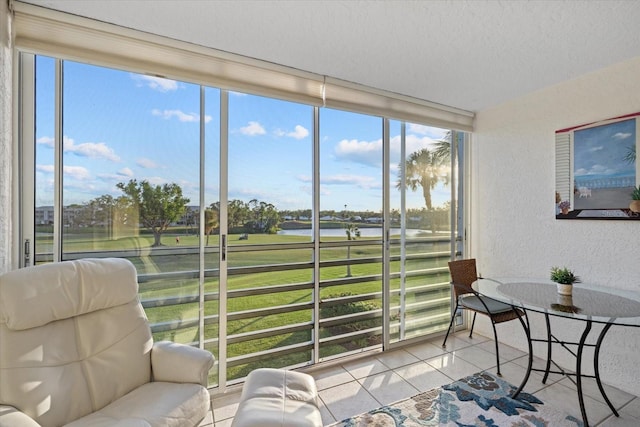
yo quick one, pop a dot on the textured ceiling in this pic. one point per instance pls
(466, 54)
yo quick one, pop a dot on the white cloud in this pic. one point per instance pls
(594, 149)
(621, 135)
(596, 169)
(76, 172)
(300, 132)
(249, 193)
(156, 180)
(180, 115)
(45, 168)
(125, 172)
(110, 176)
(431, 132)
(413, 143)
(46, 140)
(156, 83)
(253, 128)
(324, 191)
(94, 150)
(581, 171)
(368, 153)
(361, 181)
(143, 162)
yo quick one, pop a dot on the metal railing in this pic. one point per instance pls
(428, 303)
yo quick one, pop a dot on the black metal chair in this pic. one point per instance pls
(463, 274)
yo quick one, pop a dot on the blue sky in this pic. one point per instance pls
(600, 150)
(120, 126)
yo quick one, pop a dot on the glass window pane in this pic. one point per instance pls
(211, 225)
(421, 237)
(130, 162)
(350, 232)
(44, 159)
(270, 266)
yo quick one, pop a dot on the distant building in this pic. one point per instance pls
(44, 215)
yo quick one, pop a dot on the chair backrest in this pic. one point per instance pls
(73, 338)
(463, 272)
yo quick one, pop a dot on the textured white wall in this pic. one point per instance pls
(6, 158)
(514, 232)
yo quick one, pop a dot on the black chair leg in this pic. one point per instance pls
(495, 337)
(472, 325)
(453, 316)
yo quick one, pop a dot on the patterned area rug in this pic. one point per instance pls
(480, 400)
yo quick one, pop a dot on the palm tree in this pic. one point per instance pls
(630, 157)
(423, 168)
(426, 168)
(442, 148)
(352, 234)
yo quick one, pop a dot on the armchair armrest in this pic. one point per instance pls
(180, 363)
(11, 417)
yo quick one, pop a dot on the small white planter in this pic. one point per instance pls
(565, 289)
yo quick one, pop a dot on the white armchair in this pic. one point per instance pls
(76, 350)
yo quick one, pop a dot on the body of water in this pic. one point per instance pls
(340, 232)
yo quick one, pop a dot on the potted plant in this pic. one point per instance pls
(564, 206)
(565, 279)
(634, 206)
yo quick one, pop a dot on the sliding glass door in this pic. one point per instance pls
(270, 232)
(421, 230)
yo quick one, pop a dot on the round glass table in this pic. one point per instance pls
(588, 304)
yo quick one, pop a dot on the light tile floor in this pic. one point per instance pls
(358, 385)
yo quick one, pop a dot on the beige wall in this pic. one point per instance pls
(514, 232)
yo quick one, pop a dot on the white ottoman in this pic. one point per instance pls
(278, 398)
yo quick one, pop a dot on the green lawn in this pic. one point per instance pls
(182, 257)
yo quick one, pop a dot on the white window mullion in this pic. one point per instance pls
(403, 229)
(58, 167)
(26, 153)
(201, 209)
(315, 213)
(386, 234)
(223, 219)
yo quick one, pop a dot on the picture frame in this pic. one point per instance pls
(597, 173)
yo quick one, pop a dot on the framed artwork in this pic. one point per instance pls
(597, 175)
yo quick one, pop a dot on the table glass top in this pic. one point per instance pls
(599, 304)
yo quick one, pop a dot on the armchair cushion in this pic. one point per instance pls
(153, 404)
(67, 290)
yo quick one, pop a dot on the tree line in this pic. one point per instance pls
(156, 207)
